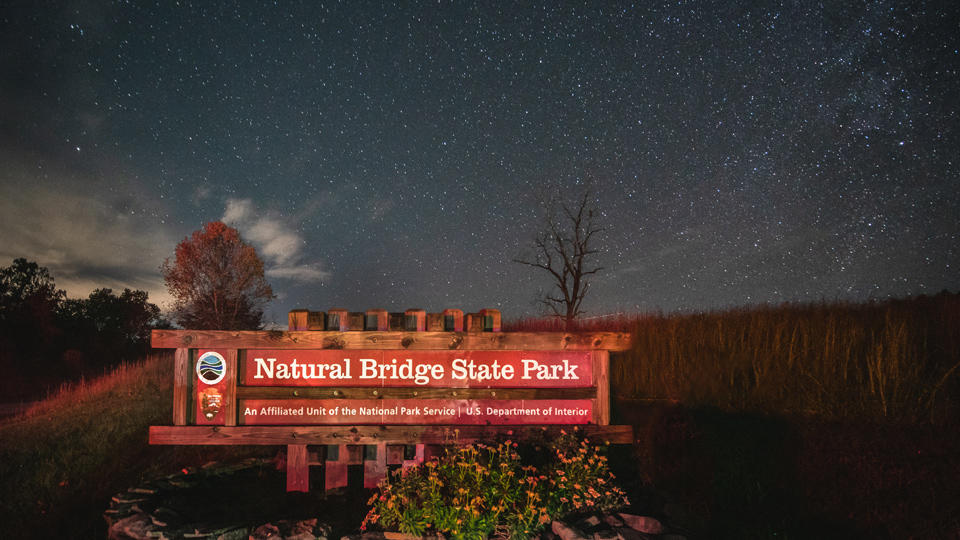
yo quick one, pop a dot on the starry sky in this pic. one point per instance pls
(391, 155)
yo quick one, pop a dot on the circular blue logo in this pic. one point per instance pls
(211, 368)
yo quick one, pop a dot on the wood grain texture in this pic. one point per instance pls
(298, 468)
(308, 392)
(181, 386)
(519, 341)
(375, 434)
(230, 391)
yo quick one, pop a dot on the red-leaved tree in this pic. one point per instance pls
(217, 281)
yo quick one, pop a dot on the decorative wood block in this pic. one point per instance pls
(473, 322)
(491, 320)
(377, 320)
(297, 320)
(452, 320)
(395, 321)
(434, 322)
(547, 341)
(298, 468)
(316, 320)
(337, 320)
(415, 320)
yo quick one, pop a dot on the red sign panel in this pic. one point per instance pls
(446, 369)
(415, 412)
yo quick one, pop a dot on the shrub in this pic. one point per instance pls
(479, 490)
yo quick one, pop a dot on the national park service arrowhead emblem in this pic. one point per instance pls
(210, 400)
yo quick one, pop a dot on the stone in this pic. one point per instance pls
(266, 532)
(566, 532)
(240, 533)
(590, 521)
(643, 524)
(613, 520)
(135, 527)
(626, 533)
(607, 534)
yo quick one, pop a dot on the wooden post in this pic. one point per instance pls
(374, 464)
(417, 458)
(230, 392)
(298, 468)
(601, 380)
(181, 386)
(335, 466)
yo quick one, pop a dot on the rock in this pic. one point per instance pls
(590, 521)
(135, 527)
(566, 532)
(643, 524)
(607, 534)
(613, 520)
(266, 532)
(165, 517)
(240, 533)
(626, 533)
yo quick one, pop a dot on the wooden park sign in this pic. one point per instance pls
(337, 395)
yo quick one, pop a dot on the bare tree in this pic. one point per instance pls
(564, 249)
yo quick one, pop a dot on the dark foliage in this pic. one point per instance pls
(217, 281)
(47, 337)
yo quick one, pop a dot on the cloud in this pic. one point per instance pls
(276, 241)
(86, 233)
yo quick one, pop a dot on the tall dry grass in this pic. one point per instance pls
(894, 360)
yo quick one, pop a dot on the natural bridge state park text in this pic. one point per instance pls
(493, 369)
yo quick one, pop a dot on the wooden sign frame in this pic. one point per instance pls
(381, 440)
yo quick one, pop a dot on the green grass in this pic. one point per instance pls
(64, 458)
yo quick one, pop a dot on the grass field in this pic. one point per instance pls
(813, 421)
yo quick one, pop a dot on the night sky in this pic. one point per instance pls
(392, 156)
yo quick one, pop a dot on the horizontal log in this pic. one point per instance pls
(478, 341)
(307, 392)
(285, 435)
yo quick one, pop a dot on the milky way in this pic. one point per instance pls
(392, 156)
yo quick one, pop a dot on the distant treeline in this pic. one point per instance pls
(46, 336)
(893, 360)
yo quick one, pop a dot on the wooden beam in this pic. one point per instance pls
(376, 434)
(230, 392)
(309, 392)
(335, 466)
(478, 341)
(374, 464)
(298, 469)
(181, 386)
(601, 378)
